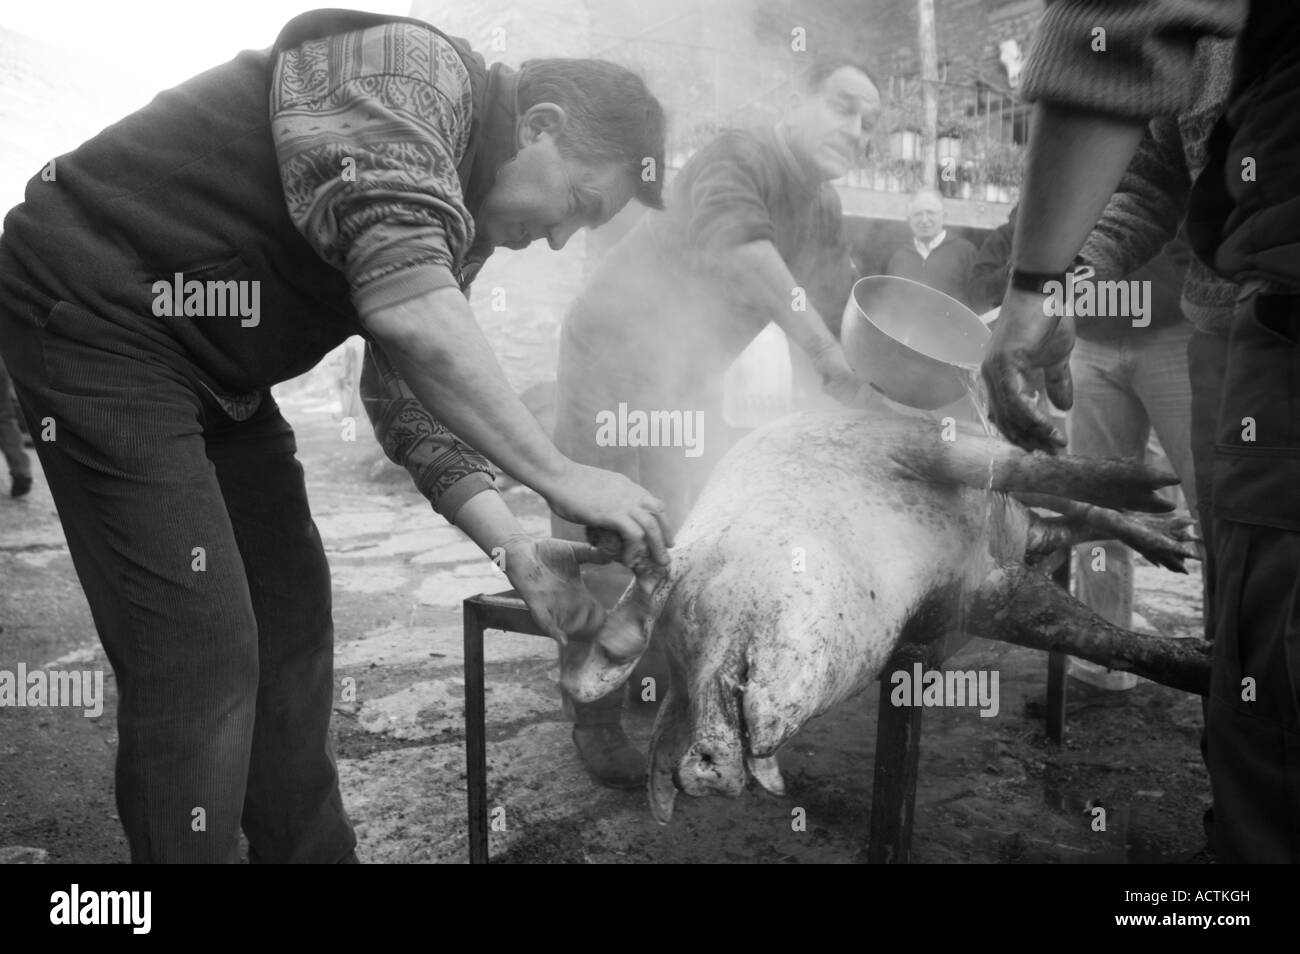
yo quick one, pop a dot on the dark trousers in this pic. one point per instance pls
(11, 441)
(1253, 725)
(1207, 358)
(208, 584)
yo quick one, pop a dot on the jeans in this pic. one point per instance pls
(1124, 387)
(192, 537)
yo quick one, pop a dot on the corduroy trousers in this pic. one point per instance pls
(192, 537)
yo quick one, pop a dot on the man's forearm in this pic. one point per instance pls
(1144, 214)
(1089, 152)
(486, 520)
(439, 350)
(445, 469)
(760, 283)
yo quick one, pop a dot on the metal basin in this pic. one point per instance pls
(917, 345)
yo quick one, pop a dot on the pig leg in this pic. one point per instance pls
(1019, 605)
(988, 464)
(1162, 540)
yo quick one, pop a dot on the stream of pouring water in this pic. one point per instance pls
(974, 385)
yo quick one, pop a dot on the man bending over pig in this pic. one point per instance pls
(349, 180)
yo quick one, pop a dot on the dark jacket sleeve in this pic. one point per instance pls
(991, 270)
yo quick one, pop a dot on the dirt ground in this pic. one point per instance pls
(990, 789)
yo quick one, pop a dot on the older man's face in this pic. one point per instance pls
(925, 216)
(830, 127)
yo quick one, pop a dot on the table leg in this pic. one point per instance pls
(475, 736)
(898, 750)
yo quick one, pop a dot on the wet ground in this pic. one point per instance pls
(990, 789)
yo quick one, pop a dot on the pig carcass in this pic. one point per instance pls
(825, 539)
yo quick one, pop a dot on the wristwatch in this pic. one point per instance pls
(1037, 282)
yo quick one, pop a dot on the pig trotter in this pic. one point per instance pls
(990, 464)
(1019, 605)
(1162, 540)
(1106, 482)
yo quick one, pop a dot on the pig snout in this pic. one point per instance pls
(714, 760)
(714, 765)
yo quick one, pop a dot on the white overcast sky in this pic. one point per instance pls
(165, 41)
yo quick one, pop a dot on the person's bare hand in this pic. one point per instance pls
(546, 575)
(1025, 340)
(589, 496)
(842, 383)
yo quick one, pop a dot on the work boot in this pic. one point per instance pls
(601, 742)
(608, 755)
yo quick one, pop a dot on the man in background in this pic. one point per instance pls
(934, 256)
(752, 235)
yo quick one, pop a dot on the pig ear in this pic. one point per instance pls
(767, 772)
(667, 743)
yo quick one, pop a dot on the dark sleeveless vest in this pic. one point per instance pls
(191, 184)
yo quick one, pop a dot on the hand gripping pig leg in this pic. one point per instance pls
(1019, 605)
(986, 464)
